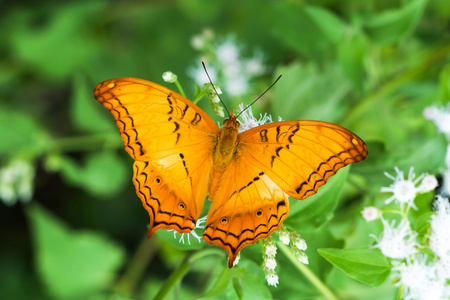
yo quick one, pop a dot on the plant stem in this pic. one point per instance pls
(127, 282)
(320, 286)
(180, 89)
(174, 278)
(182, 269)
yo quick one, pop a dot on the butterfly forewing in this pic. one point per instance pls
(300, 156)
(171, 140)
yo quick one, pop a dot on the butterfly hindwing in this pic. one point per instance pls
(300, 156)
(247, 207)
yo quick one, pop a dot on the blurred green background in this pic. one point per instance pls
(71, 225)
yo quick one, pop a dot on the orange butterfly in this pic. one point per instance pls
(181, 155)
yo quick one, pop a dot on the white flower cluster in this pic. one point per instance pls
(270, 251)
(286, 236)
(225, 63)
(249, 121)
(16, 182)
(420, 274)
(199, 224)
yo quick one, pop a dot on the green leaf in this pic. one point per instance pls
(309, 93)
(368, 266)
(86, 113)
(103, 174)
(72, 265)
(299, 29)
(223, 281)
(317, 210)
(332, 27)
(20, 133)
(394, 25)
(352, 51)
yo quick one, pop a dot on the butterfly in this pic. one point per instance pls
(182, 156)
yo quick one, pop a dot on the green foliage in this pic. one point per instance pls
(370, 66)
(72, 265)
(366, 265)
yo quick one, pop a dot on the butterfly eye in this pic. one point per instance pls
(158, 180)
(181, 206)
(224, 220)
(259, 213)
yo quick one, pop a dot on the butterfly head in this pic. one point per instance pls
(231, 122)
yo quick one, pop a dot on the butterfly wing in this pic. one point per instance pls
(171, 140)
(300, 156)
(293, 157)
(248, 206)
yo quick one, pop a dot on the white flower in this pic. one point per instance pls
(397, 242)
(269, 246)
(420, 280)
(300, 255)
(254, 66)
(272, 278)
(270, 263)
(249, 121)
(16, 182)
(440, 117)
(236, 85)
(429, 183)
(404, 190)
(199, 75)
(439, 237)
(370, 213)
(199, 224)
(169, 77)
(283, 234)
(228, 52)
(430, 112)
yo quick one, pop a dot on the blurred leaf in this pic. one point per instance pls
(394, 25)
(87, 114)
(352, 51)
(368, 266)
(60, 46)
(444, 85)
(299, 29)
(103, 173)
(73, 265)
(305, 92)
(317, 210)
(21, 134)
(332, 26)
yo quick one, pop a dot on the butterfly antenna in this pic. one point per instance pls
(212, 84)
(260, 96)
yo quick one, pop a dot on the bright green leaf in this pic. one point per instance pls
(72, 265)
(368, 266)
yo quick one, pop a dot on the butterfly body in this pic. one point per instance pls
(181, 155)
